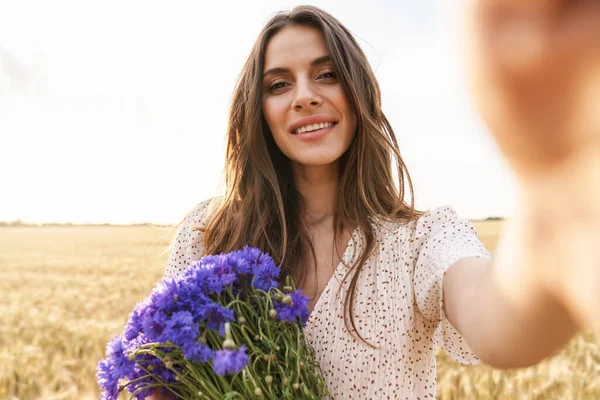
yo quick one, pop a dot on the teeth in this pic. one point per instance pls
(313, 127)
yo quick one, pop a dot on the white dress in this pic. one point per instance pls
(398, 306)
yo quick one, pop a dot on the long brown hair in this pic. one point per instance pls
(262, 208)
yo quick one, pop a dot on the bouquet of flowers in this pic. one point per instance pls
(223, 331)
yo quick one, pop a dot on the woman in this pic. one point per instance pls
(309, 180)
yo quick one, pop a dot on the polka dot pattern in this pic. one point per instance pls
(188, 244)
(398, 307)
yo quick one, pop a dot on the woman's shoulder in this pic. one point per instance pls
(422, 225)
(442, 219)
(199, 213)
(188, 243)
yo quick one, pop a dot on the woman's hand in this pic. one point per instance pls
(534, 70)
(535, 73)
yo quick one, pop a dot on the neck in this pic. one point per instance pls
(318, 185)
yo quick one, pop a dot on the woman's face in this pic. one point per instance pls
(301, 91)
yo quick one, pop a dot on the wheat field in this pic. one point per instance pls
(67, 290)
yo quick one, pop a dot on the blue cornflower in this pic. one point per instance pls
(224, 266)
(239, 262)
(202, 274)
(153, 324)
(180, 329)
(229, 266)
(251, 254)
(138, 341)
(191, 299)
(116, 365)
(164, 295)
(107, 380)
(139, 376)
(145, 384)
(197, 352)
(148, 316)
(266, 273)
(179, 309)
(208, 262)
(142, 380)
(228, 278)
(230, 360)
(297, 308)
(117, 351)
(134, 324)
(215, 316)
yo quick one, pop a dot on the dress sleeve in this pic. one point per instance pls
(440, 240)
(188, 243)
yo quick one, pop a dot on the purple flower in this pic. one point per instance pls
(202, 275)
(251, 255)
(153, 324)
(228, 266)
(143, 362)
(266, 273)
(141, 379)
(215, 316)
(298, 308)
(240, 263)
(107, 381)
(178, 310)
(224, 264)
(134, 325)
(230, 360)
(228, 279)
(197, 352)
(138, 341)
(163, 297)
(115, 366)
(180, 329)
(191, 299)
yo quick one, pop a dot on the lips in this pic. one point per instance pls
(295, 132)
(310, 120)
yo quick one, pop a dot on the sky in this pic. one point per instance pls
(116, 111)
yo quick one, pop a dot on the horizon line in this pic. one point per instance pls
(17, 223)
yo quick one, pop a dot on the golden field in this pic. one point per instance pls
(67, 290)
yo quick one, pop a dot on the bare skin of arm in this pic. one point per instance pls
(534, 71)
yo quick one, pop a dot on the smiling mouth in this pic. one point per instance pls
(314, 128)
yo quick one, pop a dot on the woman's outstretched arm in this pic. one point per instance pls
(534, 71)
(517, 309)
(511, 329)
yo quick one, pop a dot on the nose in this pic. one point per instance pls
(305, 96)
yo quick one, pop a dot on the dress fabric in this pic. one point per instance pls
(398, 305)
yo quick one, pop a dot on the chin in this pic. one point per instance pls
(316, 161)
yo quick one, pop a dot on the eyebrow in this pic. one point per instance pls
(281, 70)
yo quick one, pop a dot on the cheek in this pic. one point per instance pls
(354, 123)
(349, 110)
(344, 106)
(274, 115)
(350, 117)
(275, 121)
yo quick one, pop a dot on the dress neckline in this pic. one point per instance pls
(340, 265)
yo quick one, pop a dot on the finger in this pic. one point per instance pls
(578, 31)
(520, 37)
(507, 34)
(533, 6)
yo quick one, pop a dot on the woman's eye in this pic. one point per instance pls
(331, 76)
(276, 85)
(328, 75)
